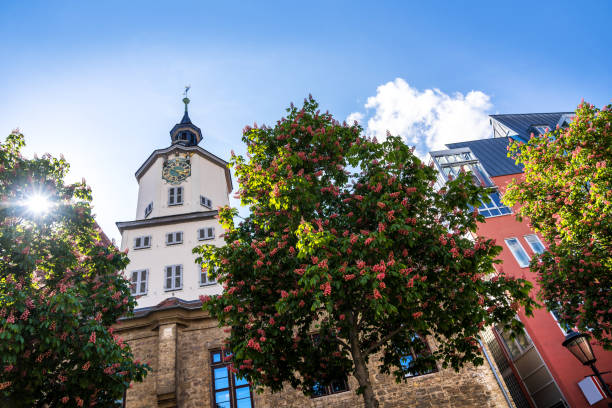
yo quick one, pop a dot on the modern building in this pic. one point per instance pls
(537, 369)
(180, 188)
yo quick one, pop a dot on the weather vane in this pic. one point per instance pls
(186, 99)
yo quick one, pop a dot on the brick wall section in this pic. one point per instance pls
(196, 335)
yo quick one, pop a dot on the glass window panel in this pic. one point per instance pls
(134, 276)
(169, 272)
(523, 340)
(222, 397)
(492, 206)
(244, 403)
(338, 386)
(216, 357)
(221, 379)
(242, 393)
(495, 198)
(240, 381)
(535, 243)
(318, 390)
(143, 287)
(177, 282)
(513, 348)
(143, 274)
(517, 250)
(494, 212)
(406, 361)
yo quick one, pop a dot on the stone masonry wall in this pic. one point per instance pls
(186, 378)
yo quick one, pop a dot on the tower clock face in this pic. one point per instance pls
(176, 170)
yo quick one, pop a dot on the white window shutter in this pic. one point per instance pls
(143, 281)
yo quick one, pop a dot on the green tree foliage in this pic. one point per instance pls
(348, 239)
(566, 194)
(60, 291)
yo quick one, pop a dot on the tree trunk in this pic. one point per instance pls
(361, 369)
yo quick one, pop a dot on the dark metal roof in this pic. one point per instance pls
(166, 219)
(186, 119)
(522, 123)
(492, 154)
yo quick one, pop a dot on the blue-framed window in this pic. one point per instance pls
(335, 386)
(229, 391)
(493, 207)
(406, 362)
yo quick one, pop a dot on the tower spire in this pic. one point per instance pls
(186, 133)
(186, 101)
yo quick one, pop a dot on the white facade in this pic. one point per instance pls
(163, 266)
(207, 179)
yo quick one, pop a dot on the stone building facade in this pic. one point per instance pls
(179, 188)
(176, 338)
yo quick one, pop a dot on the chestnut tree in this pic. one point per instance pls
(350, 254)
(60, 291)
(566, 193)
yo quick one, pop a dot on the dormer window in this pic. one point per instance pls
(541, 129)
(205, 202)
(149, 209)
(566, 120)
(175, 196)
(452, 162)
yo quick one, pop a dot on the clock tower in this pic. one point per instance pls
(180, 188)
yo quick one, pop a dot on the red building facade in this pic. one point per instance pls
(537, 369)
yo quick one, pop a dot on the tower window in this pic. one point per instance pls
(206, 279)
(206, 233)
(174, 238)
(149, 209)
(205, 202)
(174, 277)
(175, 196)
(142, 242)
(138, 282)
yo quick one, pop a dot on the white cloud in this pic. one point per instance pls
(354, 117)
(426, 119)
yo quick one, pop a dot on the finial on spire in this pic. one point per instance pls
(186, 99)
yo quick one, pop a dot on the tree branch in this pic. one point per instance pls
(383, 340)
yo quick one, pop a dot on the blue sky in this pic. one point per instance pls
(101, 82)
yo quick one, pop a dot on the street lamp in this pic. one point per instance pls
(578, 344)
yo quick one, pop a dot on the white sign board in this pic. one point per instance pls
(592, 390)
